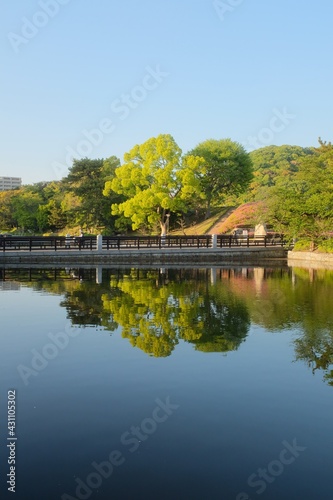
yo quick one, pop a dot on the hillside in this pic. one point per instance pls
(224, 220)
(248, 214)
(200, 225)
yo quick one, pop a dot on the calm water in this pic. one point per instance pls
(168, 384)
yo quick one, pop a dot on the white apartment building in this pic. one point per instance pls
(7, 183)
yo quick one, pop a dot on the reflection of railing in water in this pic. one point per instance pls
(101, 273)
(65, 243)
(22, 275)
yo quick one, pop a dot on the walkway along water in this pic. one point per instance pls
(142, 249)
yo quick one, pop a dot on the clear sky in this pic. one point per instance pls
(257, 71)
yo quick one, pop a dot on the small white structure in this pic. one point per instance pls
(260, 230)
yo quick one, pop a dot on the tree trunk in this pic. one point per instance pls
(163, 228)
(208, 213)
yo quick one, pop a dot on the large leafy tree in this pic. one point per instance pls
(85, 203)
(225, 169)
(156, 181)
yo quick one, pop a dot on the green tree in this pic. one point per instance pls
(85, 182)
(302, 206)
(225, 169)
(25, 205)
(7, 221)
(156, 181)
(273, 165)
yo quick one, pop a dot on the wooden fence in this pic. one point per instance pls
(64, 243)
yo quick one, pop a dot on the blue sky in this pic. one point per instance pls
(256, 71)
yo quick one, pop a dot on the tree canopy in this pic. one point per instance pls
(302, 206)
(156, 180)
(273, 165)
(225, 168)
(84, 186)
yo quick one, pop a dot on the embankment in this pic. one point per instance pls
(243, 256)
(310, 260)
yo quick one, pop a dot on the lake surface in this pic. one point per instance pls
(168, 383)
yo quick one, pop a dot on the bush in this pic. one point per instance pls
(326, 246)
(302, 246)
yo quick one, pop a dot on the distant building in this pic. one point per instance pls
(7, 183)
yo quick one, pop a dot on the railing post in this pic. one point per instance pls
(55, 244)
(230, 241)
(265, 241)
(214, 240)
(248, 241)
(99, 243)
(30, 244)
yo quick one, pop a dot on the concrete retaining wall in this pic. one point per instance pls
(310, 259)
(150, 256)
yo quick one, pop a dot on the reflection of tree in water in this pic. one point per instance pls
(226, 323)
(311, 297)
(156, 310)
(154, 315)
(302, 299)
(316, 349)
(84, 303)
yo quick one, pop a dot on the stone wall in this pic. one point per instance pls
(243, 256)
(310, 259)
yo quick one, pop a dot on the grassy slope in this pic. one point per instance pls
(202, 226)
(224, 220)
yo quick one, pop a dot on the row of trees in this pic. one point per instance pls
(155, 311)
(76, 200)
(157, 185)
(301, 205)
(156, 182)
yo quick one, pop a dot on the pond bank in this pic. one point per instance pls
(244, 256)
(310, 259)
